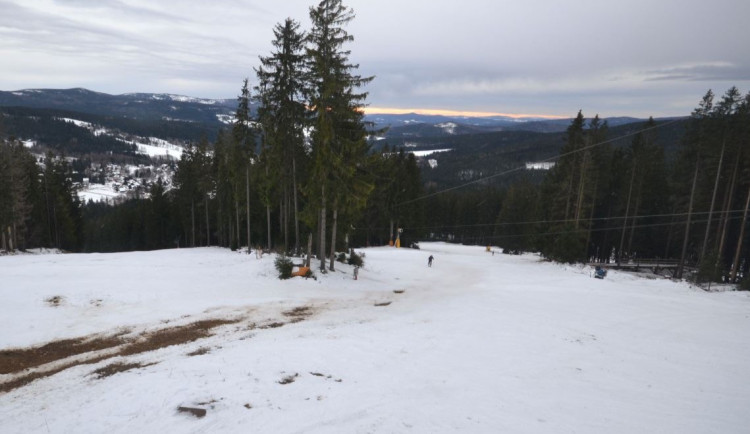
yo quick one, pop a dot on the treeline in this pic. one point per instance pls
(38, 205)
(49, 128)
(300, 173)
(608, 203)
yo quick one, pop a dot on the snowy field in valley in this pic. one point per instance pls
(478, 343)
(98, 193)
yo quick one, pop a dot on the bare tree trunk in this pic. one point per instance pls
(208, 225)
(670, 232)
(237, 222)
(309, 249)
(390, 240)
(322, 245)
(247, 207)
(57, 227)
(627, 212)
(296, 210)
(581, 190)
(192, 221)
(736, 262)
(727, 209)
(282, 220)
(13, 236)
(230, 230)
(681, 265)
(287, 203)
(49, 214)
(220, 228)
(568, 196)
(333, 237)
(591, 217)
(713, 201)
(634, 220)
(268, 225)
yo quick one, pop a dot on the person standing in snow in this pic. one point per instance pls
(429, 261)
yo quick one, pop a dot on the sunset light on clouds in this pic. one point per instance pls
(454, 113)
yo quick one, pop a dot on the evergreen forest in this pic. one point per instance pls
(300, 176)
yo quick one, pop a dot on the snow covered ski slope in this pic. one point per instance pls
(477, 343)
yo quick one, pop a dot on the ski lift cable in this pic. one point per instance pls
(550, 159)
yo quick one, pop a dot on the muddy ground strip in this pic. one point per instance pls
(14, 362)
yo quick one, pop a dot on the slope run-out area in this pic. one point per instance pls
(479, 342)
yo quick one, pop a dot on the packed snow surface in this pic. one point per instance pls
(477, 343)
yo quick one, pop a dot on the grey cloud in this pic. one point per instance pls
(122, 7)
(539, 56)
(710, 71)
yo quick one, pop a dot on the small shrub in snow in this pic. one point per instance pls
(284, 266)
(341, 257)
(356, 260)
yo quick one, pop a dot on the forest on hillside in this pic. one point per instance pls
(301, 176)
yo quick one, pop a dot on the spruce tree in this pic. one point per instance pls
(283, 117)
(339, 142)
(241, 154)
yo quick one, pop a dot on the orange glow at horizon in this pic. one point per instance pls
(438, 112)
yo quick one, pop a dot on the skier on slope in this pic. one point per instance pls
(429, 261)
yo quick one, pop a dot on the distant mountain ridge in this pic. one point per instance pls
(412, 125)
(217, 113)
(141, 106)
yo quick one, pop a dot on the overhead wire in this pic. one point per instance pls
(613, 228)
(533, 222)
(550, 159)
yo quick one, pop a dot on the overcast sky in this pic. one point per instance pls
(542, 57)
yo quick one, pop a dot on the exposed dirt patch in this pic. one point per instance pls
(386, 303)
(288, 379)
(399, 291)
(199, 352)
(299, 312)
(272, 325)
(174, 336)
(197, 412)
(115, 368)
(26, 379)
(54, 301)
(19, 359)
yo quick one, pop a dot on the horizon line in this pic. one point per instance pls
(442, 112)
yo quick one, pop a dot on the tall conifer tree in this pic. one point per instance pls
(339, 134)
